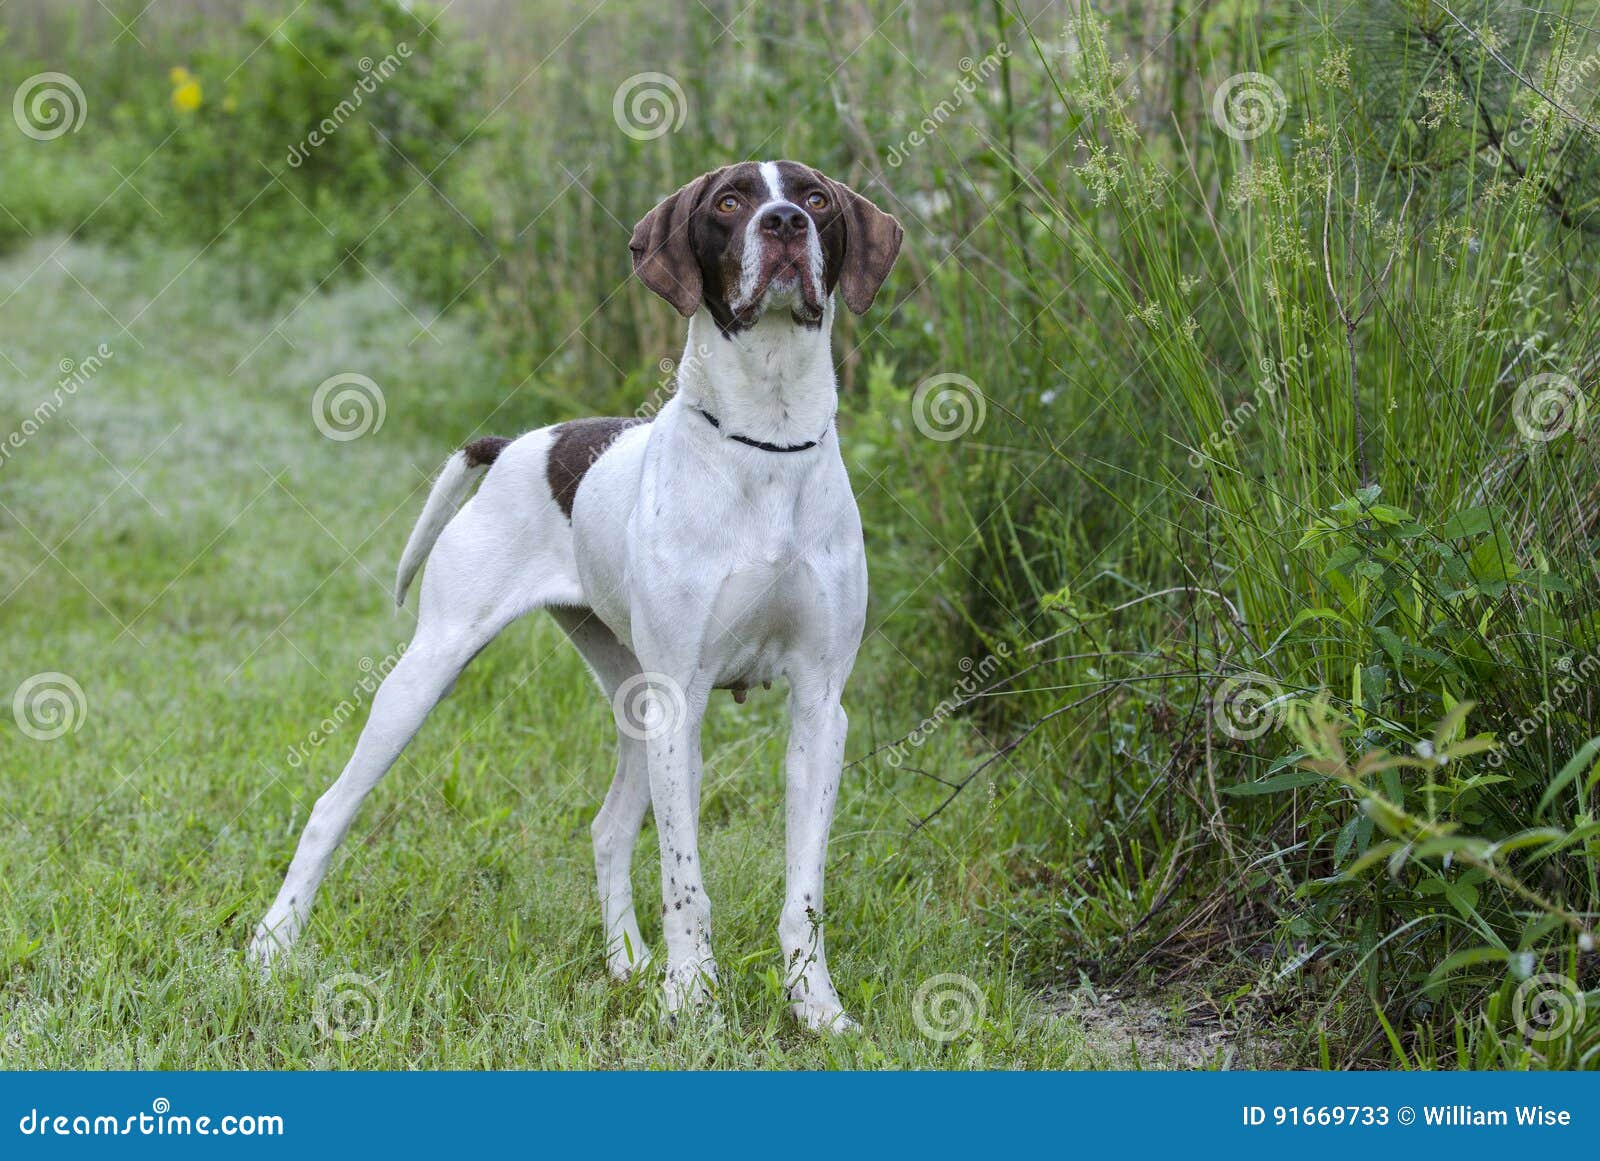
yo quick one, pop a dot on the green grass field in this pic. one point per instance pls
(213, 573)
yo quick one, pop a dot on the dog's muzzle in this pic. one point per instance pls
(788, 264)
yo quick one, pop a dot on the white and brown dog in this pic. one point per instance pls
(717, 546)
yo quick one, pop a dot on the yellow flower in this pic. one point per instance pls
(186, 97)
(177, 75)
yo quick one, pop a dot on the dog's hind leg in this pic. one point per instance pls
(423, 675)
(616, 827)
(478, 581)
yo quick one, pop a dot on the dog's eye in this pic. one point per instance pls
(727, 203)
(816, 200)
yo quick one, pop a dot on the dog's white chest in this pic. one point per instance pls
(747, 563)
(769, 608)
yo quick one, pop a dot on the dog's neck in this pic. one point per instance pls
(772, 381)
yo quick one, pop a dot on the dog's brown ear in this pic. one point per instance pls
(662, 256)
(872, 242)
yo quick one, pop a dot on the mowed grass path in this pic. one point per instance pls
(214, 574)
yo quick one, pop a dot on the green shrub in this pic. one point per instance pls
(304, 148)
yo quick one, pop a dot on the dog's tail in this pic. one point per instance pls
(449, 490)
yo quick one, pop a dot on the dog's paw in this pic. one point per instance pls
(266, 949)
(624, 967)
(688, 987)
(820, 1016)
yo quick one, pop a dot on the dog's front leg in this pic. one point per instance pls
(815, 762)
(672, 751)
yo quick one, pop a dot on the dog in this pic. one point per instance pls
(715, 546)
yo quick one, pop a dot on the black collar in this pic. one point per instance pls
(762, 444)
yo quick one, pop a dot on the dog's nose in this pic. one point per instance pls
(784, 222)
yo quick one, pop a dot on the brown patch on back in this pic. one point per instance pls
(578, 444)
(483, 452)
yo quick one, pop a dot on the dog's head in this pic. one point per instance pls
(751, 237)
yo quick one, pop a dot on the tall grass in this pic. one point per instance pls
(1329, 446)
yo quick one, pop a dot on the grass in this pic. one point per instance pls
(181, 540)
